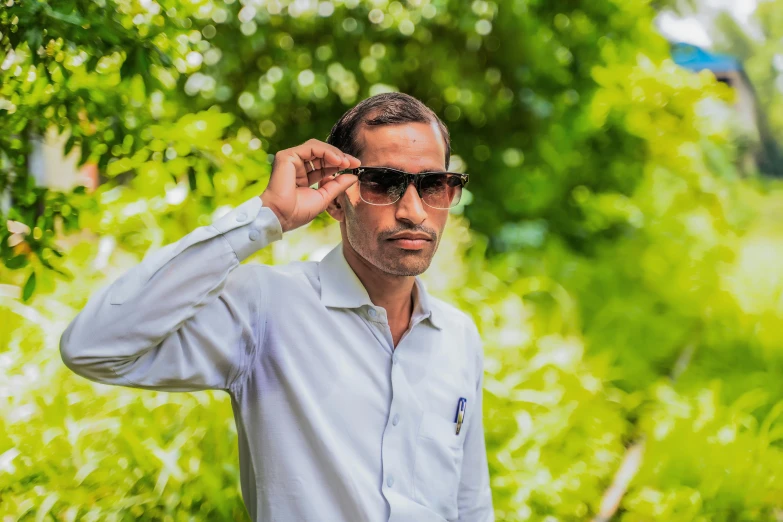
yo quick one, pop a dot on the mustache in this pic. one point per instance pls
(389, 233)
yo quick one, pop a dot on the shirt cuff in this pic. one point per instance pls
(249, 227)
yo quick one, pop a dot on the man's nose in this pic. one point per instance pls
(410, 207)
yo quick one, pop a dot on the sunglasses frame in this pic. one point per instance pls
(409, 178)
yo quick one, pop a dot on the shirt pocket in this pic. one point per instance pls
(438, 465)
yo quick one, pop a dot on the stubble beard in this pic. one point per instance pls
(383, 255)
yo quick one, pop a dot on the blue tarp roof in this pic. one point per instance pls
(697, 59)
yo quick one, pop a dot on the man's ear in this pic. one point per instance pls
(335, 208)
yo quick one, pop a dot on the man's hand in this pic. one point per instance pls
(289, 194)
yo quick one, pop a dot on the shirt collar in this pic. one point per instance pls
(341, 288)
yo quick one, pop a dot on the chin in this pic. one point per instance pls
(404, 262)
(392, 259)
(403, 270)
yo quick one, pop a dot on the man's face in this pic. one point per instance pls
(370, 229)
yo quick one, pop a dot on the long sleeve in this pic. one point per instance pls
(188, 317)
(474, 498)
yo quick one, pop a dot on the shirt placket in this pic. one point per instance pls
(399, 435)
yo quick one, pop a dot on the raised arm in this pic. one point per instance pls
(189, 317)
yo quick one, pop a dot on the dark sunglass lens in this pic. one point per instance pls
(441, 190)
(381, 186)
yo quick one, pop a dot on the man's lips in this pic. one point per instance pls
(411, 242)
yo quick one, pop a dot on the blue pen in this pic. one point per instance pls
(460, 416)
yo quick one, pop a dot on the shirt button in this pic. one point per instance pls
(241, 217)
(390, 481)
(372, 312)
(396, 419)
(394, 359)
(253, 235)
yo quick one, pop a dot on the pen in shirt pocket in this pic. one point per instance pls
(460, 416)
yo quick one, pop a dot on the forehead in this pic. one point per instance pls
(413, 147)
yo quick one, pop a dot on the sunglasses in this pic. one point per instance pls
(385, 186)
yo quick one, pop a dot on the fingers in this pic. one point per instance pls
(296, 169)
(314, 176)
(329, 155)
(333, 187)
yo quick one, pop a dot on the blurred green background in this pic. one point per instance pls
(621, 248)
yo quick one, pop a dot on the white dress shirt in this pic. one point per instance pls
(334, 423)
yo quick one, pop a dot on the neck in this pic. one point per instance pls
(393, 293)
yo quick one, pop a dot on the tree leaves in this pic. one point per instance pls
(34, 37)
(29, 287)
(16, 262)
(71, 18)
(608, 225)
(69, 145)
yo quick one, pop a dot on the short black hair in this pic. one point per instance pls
(383, 109)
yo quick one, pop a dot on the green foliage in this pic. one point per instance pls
(625, 279)
(78, 451)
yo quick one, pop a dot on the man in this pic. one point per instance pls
(357, 396)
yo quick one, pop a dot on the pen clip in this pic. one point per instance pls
(460, 416)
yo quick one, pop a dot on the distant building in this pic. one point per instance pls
(727, 69)
(51, 168)
(760, 150)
